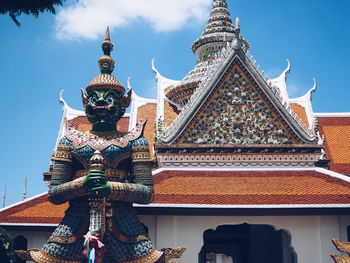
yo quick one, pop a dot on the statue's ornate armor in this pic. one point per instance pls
(128, 171)
(101, 173)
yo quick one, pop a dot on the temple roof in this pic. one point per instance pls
(136, 103)
(163, 85)
(246, 187)
(228, 59)
(213, 188)
(302, 106)
(216, 58)
(33, 211)
(335, 130)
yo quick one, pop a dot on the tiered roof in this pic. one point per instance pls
(312, 188)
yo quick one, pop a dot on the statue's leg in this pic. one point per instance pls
(65, 243)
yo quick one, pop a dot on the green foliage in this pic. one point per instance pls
(7, 254)
(29, 7)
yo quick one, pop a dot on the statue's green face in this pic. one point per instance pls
(103, 109)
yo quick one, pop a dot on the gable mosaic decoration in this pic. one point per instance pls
(236, 114)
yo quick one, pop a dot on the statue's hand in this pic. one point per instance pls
(95, 183)
(100, 191)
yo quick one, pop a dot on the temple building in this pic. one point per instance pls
(242, 172)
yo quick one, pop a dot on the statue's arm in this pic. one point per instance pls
(140, 190)
(62, 187)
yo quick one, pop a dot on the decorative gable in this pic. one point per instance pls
(236, 112)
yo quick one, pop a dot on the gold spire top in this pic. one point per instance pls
(106, 62)
(106, 80)
(108, 35)
(107, 45)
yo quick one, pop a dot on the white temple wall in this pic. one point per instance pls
(36, 239)
(311, 235)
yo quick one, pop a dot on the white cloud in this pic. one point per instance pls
(88, 18)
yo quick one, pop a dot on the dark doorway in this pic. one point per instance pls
(247, 243)
(20, 243)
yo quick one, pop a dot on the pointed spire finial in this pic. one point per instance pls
(107, 45)
(106, 62)
(238, 22)
(108, 35)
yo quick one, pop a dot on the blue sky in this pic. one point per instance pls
(55, 52)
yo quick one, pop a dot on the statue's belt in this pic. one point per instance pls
(113, 208)
(112, 227)
(111, 174)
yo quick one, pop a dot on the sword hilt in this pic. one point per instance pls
(97, 204)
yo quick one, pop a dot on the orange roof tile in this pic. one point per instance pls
(336, 131)
(213, 187)
(249, 188)
(170, 113)
(35, 211)
(300, 111)
(148, 112)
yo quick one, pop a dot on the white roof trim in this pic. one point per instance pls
(281, 82)
(68, 114)
(243, 206)
(332, 114)
(157, 171)
(22, 202)
(136, 103)
(162, 84)
(68, 111)
(305, 102)
(317, 169)
(333, 174)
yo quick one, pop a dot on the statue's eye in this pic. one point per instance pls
(93, 99)
(110, 100)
